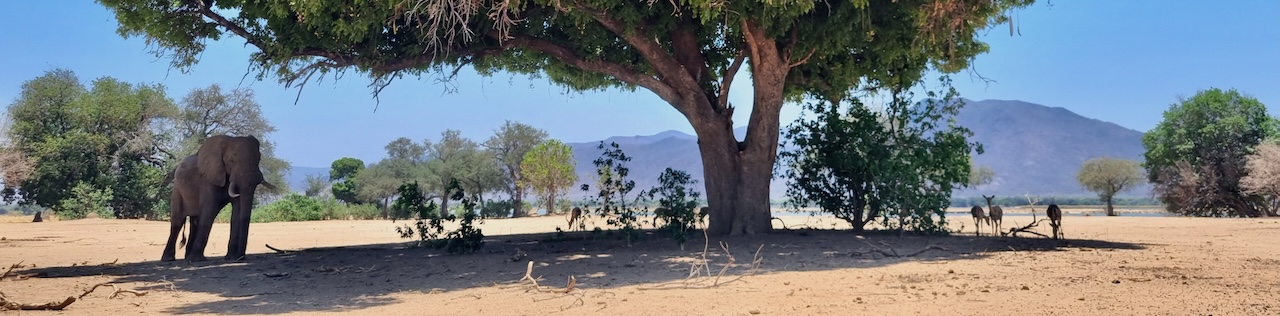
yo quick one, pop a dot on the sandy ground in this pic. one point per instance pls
(1106, 266)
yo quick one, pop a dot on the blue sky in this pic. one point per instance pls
(1117, 61)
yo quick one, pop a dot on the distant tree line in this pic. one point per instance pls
(105, 148)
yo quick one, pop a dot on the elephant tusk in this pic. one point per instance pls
(232, 192)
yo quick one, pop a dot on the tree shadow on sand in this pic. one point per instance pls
(358, 277)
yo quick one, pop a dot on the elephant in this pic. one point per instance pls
(224, 170)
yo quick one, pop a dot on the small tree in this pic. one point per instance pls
(343, 174)
(863, 164)
(1264, 175)
(1107, 176)
(508, 146)
(315, 185)
(980, 175)
(549, 169)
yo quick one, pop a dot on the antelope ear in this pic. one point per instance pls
(209, 160)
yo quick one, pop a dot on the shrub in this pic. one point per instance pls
(85, 199)
(429, 225)
(676, 194)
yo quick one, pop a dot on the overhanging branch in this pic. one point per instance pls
(728, 79)
(563, 54)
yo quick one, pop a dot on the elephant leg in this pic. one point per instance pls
(210, 205)
(175, 229)
(240, 216)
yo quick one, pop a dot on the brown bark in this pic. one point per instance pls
(738, 174)
(1111, 210)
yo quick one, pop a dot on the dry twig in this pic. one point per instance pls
(893, 253)
(278, 250)
(528, 275)
(14, 266)
(115, 293)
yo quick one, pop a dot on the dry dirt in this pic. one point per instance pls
(1107, 266)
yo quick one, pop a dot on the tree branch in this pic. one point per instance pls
(728, 79)
(802, 60)
(563, 54)
(663, 62)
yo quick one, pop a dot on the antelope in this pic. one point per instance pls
(978, 217)
(1055, 220)
(574, 215)
(997, 214)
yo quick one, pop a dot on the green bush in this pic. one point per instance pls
(85, 199)
(429, 225)
(677, 195)
(496, 209)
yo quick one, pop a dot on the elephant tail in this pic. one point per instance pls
(183, 243)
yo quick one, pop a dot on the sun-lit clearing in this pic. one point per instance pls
(583, 256)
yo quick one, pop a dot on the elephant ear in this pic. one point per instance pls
(209, 160)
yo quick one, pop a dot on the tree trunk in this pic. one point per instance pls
(517, 200)
(738, 174)
(1111, 210)
(444, 205)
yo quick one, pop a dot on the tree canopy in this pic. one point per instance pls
(342, 173)
(549, 169)
(685, 52)
(509, 145)
(99, 139)
(1196, 156)
(862, 165)
(1107, 176)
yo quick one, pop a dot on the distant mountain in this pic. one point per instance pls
(1038, 149)
(1032, 149)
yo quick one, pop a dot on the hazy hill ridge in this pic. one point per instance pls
(1033, 149)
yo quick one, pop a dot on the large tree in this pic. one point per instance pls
(211, 111)
(102, 138)
(1197, 155)
(448, 161)
(685, 52)
(509, 145)
(1107, 176)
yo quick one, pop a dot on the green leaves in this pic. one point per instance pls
(549, 169)
(100, 138)
(860, 165)
(1196, 156)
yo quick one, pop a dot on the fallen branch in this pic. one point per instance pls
(14, 266)
(115, 293)
(1025, 229)
(280, 251)
(692, 282)
(528, 275)
(6, 304)
(892, 253)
